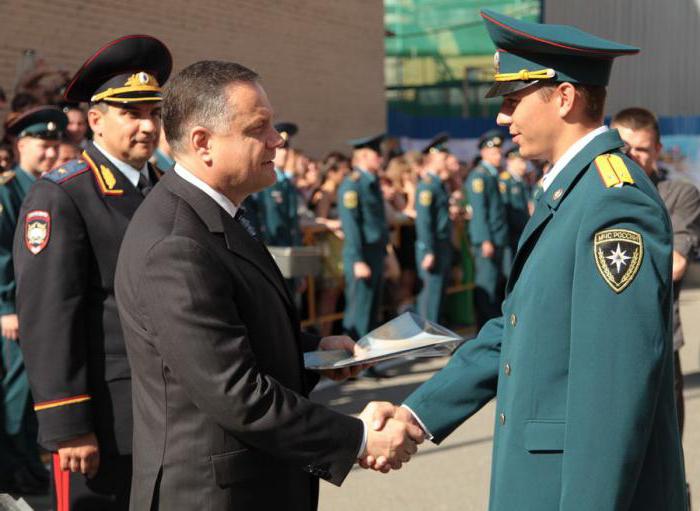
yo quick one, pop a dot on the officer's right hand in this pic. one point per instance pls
(428, 261)
(10, 326)
(487, 249)
(361, 270)
(80, 454)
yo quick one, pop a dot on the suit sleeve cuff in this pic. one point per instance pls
(427, 432)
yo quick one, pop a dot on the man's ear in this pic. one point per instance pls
(565, 95)
(95, 117)
(200, 142)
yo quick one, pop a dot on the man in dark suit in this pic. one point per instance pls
(221, 414)
(65, 250)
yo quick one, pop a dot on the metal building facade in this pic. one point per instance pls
(665, 76)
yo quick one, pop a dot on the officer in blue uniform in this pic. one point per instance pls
(581, 360)
(488, 228)
(65, 250)
(515, 193)
(277, 204)
(433, 229)
(361, 210)
(37, 133)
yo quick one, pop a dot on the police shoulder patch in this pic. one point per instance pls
(350, 199)
(425, 198)
(612, 170)
(477, 185)
(618, 256)
(37, 230)
(67, 170)
(6, 177)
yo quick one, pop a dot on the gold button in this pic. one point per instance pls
(507, 369)
(502, 418)
(513, 319)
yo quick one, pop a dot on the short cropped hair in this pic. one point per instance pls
(636, 119)
(593, 97)
(197, 96)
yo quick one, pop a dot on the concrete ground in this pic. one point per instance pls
(455, 476)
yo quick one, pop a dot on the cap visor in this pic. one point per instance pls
(504, 88)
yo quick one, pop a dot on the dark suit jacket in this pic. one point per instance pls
(221, 418)
(71, 339)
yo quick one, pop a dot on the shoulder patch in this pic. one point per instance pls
(618, 256)
(350, 199)
(477, 185)
(67, 170)
(612, 170)
(7, 176)
(37, 230)
(505, 175)
(425, 198)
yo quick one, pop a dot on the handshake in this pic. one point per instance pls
(393, 435)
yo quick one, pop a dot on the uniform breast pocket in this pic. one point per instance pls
(544, 436)
(238, 466)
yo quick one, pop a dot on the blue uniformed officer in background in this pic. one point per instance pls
(581, 360)
(433, 229)
(361, 210)
(515, 192)
(37, 133)
(488, 228)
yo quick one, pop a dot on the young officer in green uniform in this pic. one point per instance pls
(433, 229)
(516, 196)
(488, 228)
(581, 361)
(37, 134)
(361, 211)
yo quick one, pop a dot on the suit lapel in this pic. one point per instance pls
(237, 239)
(551, 200)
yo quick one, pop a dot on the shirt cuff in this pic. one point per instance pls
(364, 441)
(427, 432)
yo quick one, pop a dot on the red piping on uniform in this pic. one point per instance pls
(551, 43)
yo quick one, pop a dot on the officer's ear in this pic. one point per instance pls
(567, 99)
(95, 116)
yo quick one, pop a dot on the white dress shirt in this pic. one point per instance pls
(130, 172)
(572, 151)
(218, 197)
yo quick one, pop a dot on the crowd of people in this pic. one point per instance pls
(396, 230)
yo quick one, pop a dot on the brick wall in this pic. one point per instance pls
(321, 60)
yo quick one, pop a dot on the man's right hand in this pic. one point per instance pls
(10, 326)
(392, 437)
(428, 262)
(361, 270)
(80, 454)
(487, 249)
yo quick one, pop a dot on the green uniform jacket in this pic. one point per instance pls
(361, 211)
(433, 224)
(278, 213)
(14, 186)
(488, 221)
(585, 415)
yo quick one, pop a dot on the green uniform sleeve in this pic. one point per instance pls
(463, 386)
(351, 219)
(425, 218)
(8, 222)
(620, 349)
(477, 191)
